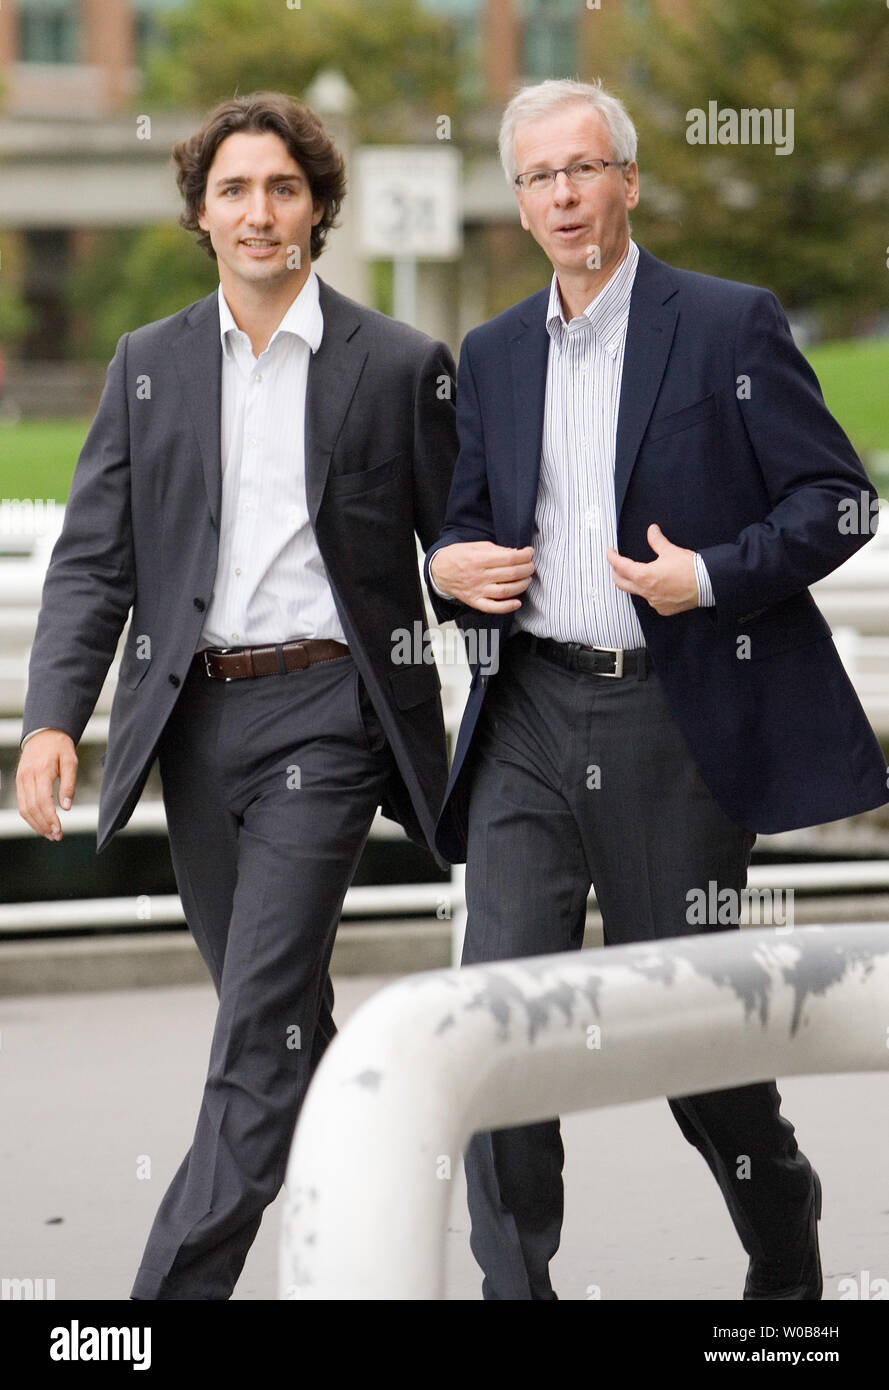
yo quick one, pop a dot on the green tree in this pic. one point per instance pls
(135, 275)
(390, 51)
(810, 224)
(15, 317)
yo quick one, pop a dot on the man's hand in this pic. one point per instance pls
(483, 575)
(47, 757)
(667, 583)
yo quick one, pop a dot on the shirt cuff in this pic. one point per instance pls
(441, 593)
(33, 732)
(449, 598)
(705, 588)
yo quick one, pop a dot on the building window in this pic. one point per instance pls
(465, 17)
(549, 38)
(150, 34)
(48, 31)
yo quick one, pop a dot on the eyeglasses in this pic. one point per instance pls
(538, 180)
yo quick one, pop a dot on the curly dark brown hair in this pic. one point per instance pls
(303, 134)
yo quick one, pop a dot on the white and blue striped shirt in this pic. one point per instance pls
(572, 596)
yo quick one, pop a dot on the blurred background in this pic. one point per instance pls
(92, 95)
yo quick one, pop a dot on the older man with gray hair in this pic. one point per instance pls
(648, 482)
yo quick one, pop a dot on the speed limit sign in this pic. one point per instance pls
(408, 200)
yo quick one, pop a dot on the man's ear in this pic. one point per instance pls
(202, 216)
(317, 213)
(522, 218)
(631, 181)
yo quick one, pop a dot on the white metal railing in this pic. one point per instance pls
(148, 818)
(149, 910)
(430, 1060)
(447, 900)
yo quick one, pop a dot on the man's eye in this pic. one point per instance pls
(284, 188)
(583, 169)
(232, 188)
(538, 178)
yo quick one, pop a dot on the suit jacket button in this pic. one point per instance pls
(174, 680)
(200, 605)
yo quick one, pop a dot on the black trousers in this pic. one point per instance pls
(577, 780)
(270, 787)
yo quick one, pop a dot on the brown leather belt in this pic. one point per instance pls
(241, 663)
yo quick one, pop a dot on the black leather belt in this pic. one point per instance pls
(594, 661)
(241, 663)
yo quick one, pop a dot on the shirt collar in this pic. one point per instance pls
(303, 318)
(606, 315)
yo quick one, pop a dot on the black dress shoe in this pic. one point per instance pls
(798, 1276)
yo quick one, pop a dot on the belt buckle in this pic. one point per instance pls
(218, 651)
(618, 663)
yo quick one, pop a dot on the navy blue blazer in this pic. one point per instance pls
(724, 440)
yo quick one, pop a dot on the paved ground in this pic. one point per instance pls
(93, 1084)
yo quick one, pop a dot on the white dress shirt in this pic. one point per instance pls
(271, 584)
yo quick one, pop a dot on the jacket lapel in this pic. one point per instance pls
(650, 330)
(198, 354)
(529, 352)
(333, 376)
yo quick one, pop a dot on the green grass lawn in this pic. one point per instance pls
(854, 377)
(37, 457)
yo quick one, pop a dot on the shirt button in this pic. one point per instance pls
(258, 376)
(238, 572)
(235, 637)
(591, 517)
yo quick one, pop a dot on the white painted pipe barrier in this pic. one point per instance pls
(432, 1059)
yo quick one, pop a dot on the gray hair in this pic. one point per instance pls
(544, 98)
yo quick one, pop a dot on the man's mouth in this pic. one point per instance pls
(256, 243)
(569, 228)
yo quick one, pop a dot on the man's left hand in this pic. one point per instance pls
(667, 583)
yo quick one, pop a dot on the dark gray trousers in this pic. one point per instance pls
(270, 787)
(583, 780)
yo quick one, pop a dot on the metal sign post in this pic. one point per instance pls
(408, 210)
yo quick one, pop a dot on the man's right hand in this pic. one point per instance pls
(483, 575)
(46, 758)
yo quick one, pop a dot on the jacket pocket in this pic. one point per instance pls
(132, 668)
(412, 685)
(364, 478)
(775, 630)
(683, 419)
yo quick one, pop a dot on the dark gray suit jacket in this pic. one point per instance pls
(141, 531)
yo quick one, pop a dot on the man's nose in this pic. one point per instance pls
(259, 212)
(564, 190)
